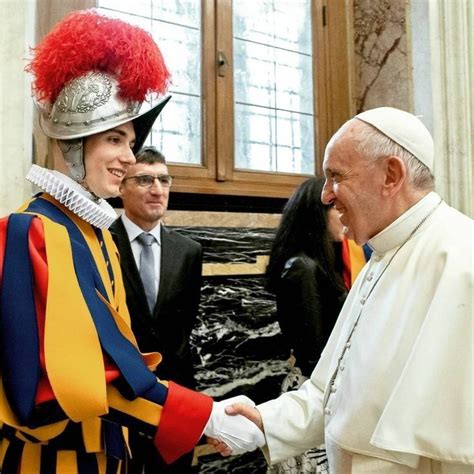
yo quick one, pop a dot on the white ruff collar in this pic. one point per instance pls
(73, 196)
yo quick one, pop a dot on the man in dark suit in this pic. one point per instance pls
(162, 275)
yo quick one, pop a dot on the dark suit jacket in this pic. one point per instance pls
(167, 330)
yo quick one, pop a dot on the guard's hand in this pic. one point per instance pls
(234, 434)
(220, 447)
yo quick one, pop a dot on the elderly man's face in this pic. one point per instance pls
(353, 187)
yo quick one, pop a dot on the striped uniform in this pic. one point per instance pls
(73, 382)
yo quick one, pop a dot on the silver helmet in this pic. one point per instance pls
(93, 73)
(91, 104)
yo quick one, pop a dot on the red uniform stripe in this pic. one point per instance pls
(178, 433)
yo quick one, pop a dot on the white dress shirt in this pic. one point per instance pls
(133, 231)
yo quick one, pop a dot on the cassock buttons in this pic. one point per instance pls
(327, 411)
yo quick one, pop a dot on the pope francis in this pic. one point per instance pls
(392, 392)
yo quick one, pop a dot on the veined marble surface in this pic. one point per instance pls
(237, 341)
(382, 63)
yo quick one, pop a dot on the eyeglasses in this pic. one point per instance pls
(147, 180)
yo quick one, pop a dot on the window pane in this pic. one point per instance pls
(255, 138)
(136, 20)
(176, 28)
(183, 12)
(254, 21)
(293, 81)
(178, 46)
(280, 23)
(293, 25)
(177, 131)
(273, 86)
(257, 88)
(137, 7)
(270, 140)
(295, 150)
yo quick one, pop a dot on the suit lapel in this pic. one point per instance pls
(168, 267)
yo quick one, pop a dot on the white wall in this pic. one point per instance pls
(16, 108)
(442, 45)
(452, 79)
(421, 61)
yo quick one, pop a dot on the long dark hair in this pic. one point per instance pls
(303, 228)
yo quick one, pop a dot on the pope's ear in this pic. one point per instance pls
(395, 175)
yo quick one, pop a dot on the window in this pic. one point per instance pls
(273, 93)
(257, 88)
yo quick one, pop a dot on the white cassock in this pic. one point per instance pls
(393, 390)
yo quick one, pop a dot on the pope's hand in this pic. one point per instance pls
(233, 434)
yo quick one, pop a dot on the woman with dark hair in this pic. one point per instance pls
(305, 273)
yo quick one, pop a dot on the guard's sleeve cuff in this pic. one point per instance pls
(183, 419)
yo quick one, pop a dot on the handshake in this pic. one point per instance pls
(235, 426)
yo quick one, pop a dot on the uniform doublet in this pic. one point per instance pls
(73, 382)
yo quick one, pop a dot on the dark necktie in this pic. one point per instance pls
(147, 268)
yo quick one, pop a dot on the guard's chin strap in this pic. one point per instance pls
(73, 152)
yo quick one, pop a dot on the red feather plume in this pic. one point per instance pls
(86, 41)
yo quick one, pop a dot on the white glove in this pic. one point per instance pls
(239, 433)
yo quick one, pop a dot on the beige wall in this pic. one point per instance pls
(452, 53)
(15, 105)
(28, 20)
(382, 64)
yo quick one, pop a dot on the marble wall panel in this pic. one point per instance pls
(383, 67)
(220, 219)
(237, 342)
